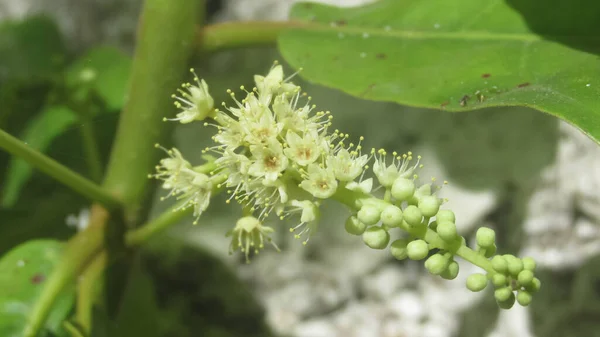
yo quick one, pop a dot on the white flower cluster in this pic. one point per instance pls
(275, 154)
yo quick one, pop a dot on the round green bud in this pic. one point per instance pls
(490, 251)
(503, 294)
(529, 263)
(391, 216)
(534, 286)
(429, 205)
(447, 231)
(403, 189)
(476, 282)
(499, 280)
(437, 264)
(508, 303)
(399, 250)
(515, 266)
(412, 215)
(376, 237)
(486, 237)
(499, 264)
(524, 298)
(525, 277)
(451, 272)
(417, 250)
(369, 215)
(445, 215)
(355, 226)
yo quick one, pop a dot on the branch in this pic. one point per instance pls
(57, 171)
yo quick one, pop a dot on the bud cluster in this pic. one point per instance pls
(276, 154)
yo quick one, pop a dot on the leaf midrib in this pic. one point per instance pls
(424, 34)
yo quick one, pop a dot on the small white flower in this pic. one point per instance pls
(269, 161)
(195, 102)
(347, 165)
(364, 186)
(303, 150)
(309, 217)
(319, 181)
(398, 168)
(249, 234)
(263, 130)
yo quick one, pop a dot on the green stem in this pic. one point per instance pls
(57, 171)
(243, 34)
(165, 42)
(86, 292)
(165, 220)
(79, 251)
(92, 152)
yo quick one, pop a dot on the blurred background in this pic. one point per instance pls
(537, 186)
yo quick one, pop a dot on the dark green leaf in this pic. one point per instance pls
(30, 50)
(104, 70)
(23, 272)
(456, 55)
(38, 134)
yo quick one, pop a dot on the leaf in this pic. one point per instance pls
(456, 56)
(38, 134)
(23, 272)
(104, 70)
(30, 50)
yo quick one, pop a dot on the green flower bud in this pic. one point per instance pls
(451, 272)
(447, 231)
(529, 263)
(429, 205)
(525, 277)
(524, 298)
(376, 237)
(403, 188)
(503, 294)
(499, 280)
(369, 215)
(486, 237)
(476, 282)
(534, 286)
(515, 266)
(399, 250)
(499, 264)
(491, 251)
(417, 250)
(423, 190)
(355, 226)
(437, 264)
(391, 216)
(508, 303)
(412, 215)
(445, 215)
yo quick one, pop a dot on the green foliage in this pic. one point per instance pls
(104, 71)
(30, 50)
(440, 54)
(38, 134)
(23, 272)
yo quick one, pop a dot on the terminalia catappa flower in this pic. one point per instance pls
(278, 157)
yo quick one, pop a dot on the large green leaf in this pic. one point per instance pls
(30, 50)
(38, 134)
(457, 55)
(104, 70)
(23, 272)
